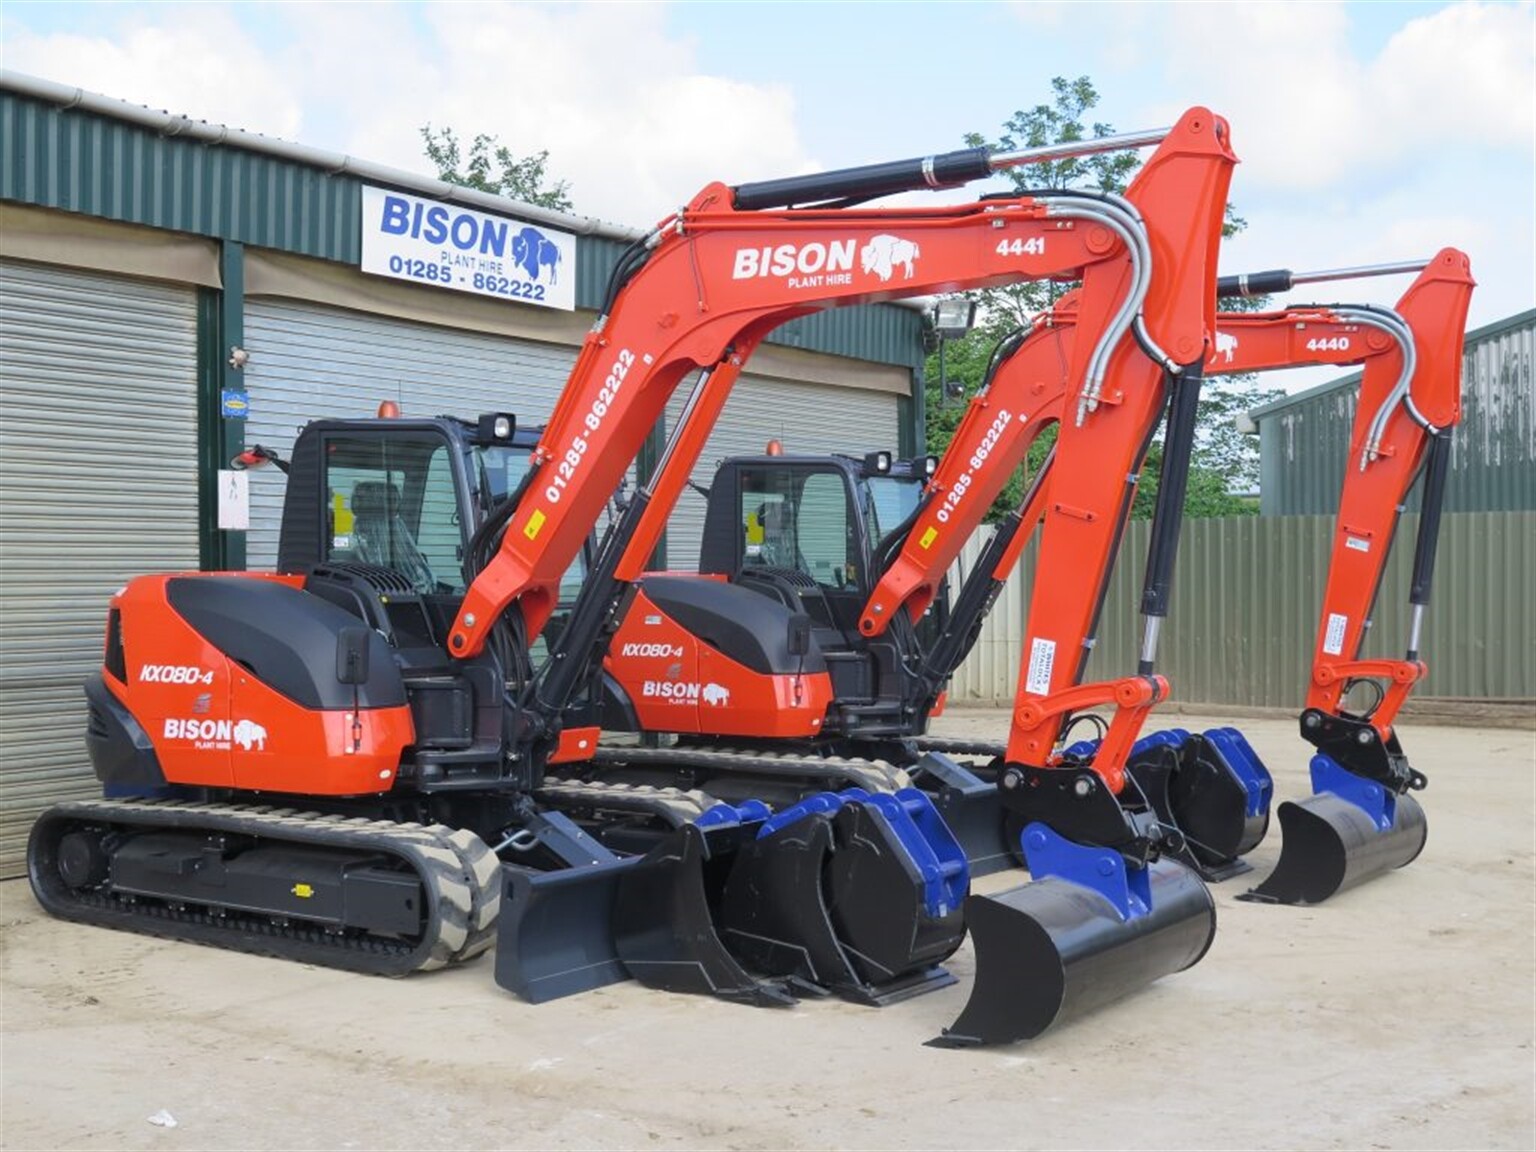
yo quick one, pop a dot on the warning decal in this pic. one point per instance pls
(1333, 638)
(1042, 658)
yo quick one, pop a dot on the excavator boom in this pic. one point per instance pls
(710, 283)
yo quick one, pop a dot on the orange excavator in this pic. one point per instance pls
(860, 547)
(1093, 825)
(1211, 787)
(348, 762)
(1361, 820)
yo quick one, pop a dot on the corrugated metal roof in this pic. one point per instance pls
(1304, 439)
(67, 149)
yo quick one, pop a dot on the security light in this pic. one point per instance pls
(953, 316)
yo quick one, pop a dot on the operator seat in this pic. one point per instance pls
(381, 537)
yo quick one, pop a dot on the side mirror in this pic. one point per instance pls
(258, 457)
(799, 634)
(352, 655)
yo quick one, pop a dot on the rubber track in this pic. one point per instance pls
(961, 747)
(460, 876)
(838, 771)
(674, 805)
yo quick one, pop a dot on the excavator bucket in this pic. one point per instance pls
(896, 888)
(648, 917)
(774, 913)
(1213, 788)
(664, 930)
(554, 936)
(851, 891)
(1087, 930)
(1349, 831)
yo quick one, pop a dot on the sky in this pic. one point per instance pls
(1369, 132)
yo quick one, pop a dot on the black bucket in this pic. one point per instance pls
(773, 915)
(1213, 788)
(1329, 844)
(852, 892)
(880, 893)
(554, 934)
(1055, 949)
(664, 932)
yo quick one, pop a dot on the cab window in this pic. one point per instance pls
(798, 518)
(384, 495)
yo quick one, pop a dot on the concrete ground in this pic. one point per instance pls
(1398, 1015)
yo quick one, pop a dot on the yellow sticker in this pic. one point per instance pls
(928, 538)
(341, 515)
(303, 891)
(535, 522)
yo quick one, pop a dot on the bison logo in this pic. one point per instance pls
(532, 251)
(1226, 347)
(716, 694)
(249, 734)
(883, 253)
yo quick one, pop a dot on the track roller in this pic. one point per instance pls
(1349, 831)
(1089, 929)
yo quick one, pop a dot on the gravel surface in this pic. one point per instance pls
(1398, 1015)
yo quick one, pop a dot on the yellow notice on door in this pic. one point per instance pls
(535, 522)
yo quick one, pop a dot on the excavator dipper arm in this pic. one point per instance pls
(1359, 822)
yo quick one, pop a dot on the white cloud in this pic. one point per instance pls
(629, 117)
(1309, 110)
(1467, 71)
(201, 64)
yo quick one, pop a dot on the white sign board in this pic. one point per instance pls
(449, 246)
(234, 500)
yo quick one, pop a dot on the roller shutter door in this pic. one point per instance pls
(98, 483)
(809, 419)
(310, 361)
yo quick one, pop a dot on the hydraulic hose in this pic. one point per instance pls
(1388, 321)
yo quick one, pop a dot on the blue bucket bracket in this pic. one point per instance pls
(1245, 762)
(1376, 801)
(1101, 870)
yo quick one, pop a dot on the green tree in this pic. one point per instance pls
(1225, 461)
(492, 167)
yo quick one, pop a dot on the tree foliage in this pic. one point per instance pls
(492, 167)
(1225, 461)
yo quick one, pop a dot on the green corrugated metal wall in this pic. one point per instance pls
(1303, 443)
(1245, 606)
(77, 161)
